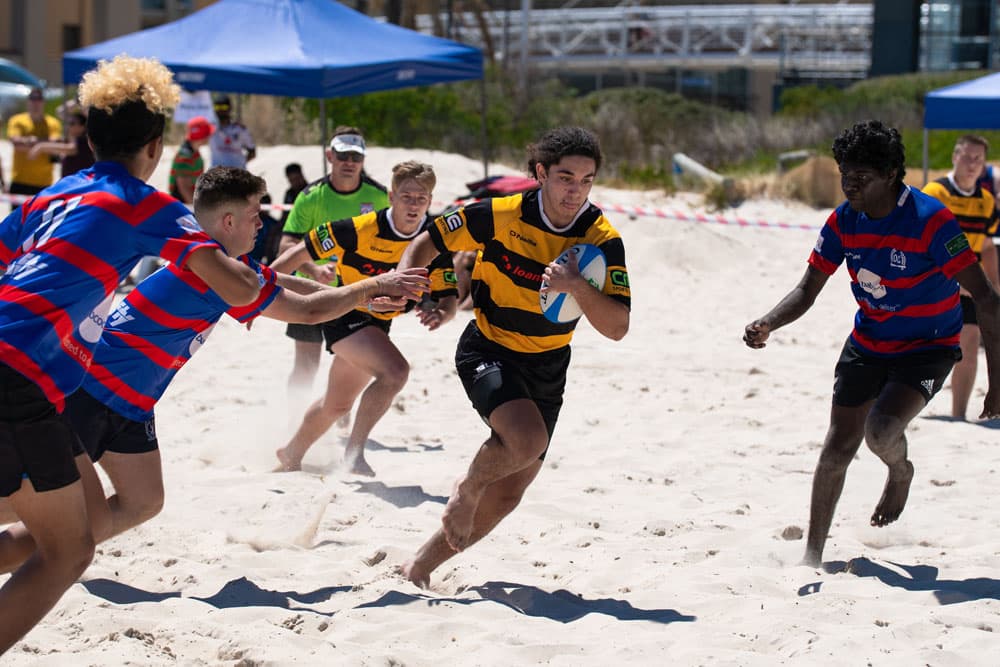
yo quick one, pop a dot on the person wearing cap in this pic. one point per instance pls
(188, 164)
(347, 191)
(232, 144)
(29, 175)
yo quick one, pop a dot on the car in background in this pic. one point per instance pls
(15, 84)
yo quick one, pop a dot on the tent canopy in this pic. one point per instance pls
(969, 105)
(292, 48)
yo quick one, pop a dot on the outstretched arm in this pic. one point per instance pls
(987, 301)
(387, 292)
(293, 255)
(792, 307)
(232, 280)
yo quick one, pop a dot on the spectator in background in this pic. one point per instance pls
(74, 150)
(184, 171)
(188, 164)
(232, 145)
(30, 175)
(346, 192)
(296, 183)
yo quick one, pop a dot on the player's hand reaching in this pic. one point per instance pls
(756, 333)
(408, 283)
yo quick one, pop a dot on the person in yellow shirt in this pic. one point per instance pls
(973, 207)
(30, 175)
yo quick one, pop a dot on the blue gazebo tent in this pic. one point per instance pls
(294, 48)
(969, 105)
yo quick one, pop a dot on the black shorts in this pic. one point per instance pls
(36, 442)
(101, 429)
(305, 333)
(493, 375)
(860, 377)
(345, 325)
(968, 310)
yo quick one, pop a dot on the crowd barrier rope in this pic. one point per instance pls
(634, 211)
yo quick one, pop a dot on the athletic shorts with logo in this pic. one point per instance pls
(493, 375)
(101, 429)
(351, 323)
(860, 377)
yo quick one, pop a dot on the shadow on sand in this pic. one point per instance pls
(237, 593)
(562, 605)
(990, 423)
(918, 579)
(400, 496)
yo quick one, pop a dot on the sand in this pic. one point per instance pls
(657, 532)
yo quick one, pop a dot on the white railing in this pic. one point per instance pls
(824, 37)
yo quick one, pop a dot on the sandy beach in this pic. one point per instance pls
(662, 529)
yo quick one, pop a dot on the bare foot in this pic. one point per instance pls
(893, 500)
(286, 464)
(357, 465)
(414, 574)
(458, 517)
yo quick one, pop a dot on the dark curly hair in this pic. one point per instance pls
(871, 144)
(562, 142)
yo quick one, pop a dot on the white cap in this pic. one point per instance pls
(345, 143)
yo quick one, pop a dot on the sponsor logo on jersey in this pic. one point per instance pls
(189, 224)
(957, 244)
(619, 277)
(324, 238)
(897, 259)
(521, 237)
(375, 248)
(367, 207)
(121, 315)
(454, 221)
(819, 244)
(520, 272)
(871, 283)
(92, 327)
(450, 277)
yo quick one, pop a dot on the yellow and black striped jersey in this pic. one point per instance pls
(975, 213)
(514, 244)
(369, 245)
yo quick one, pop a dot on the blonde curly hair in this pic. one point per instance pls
(128, 79)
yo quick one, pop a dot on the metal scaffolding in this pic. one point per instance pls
(815, 40)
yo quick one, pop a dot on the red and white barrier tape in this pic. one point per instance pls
(637, 211)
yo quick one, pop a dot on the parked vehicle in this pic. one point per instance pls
(15, 84)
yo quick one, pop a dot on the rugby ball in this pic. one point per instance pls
(560, 307)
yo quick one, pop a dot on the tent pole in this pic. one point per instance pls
(482, 116)
(322, 132)
(926, 154)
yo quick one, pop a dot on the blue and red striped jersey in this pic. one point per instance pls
(902, 270)
(156, 329)
(64, 252)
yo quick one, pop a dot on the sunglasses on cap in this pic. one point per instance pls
(349, 156)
